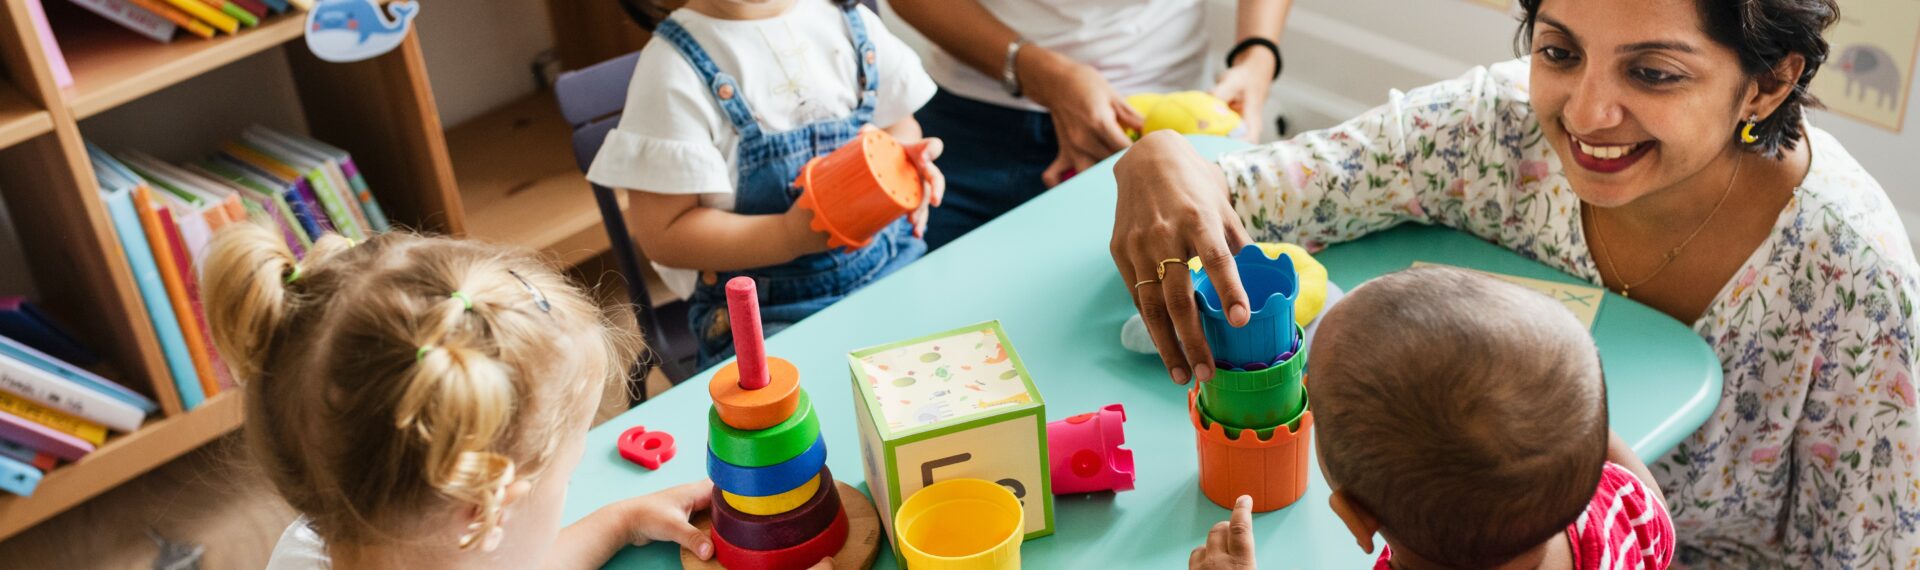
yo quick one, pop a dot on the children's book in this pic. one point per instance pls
(131, 17)
(10, 348)
(17, 477)
(340, 205)
(116, 189)
(208, 14)
(265, 206)
(43, 438)
(342, 164)
(46, 389)
(182, 19)
(85, 430)
(298, 193)
(164, 236)
(23, 322)
(38, 459)
(253, 7)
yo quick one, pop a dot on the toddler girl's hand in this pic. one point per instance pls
(933, 184)
(1230, 544)
(663, 516)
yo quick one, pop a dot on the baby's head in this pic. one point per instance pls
(408, 389)
(1460, 416)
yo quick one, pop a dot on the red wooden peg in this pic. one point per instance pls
(743, 308)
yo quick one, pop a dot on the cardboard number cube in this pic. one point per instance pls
(955, 404)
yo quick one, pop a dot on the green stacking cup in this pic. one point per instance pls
(1258, 399)
(1265, 433)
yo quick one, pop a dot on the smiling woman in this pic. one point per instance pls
(1669, 136)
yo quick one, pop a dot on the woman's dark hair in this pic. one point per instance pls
(1764, 33)
(649, 13)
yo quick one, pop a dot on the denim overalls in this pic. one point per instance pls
(768, 163)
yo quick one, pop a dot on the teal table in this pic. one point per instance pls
(1043, 270)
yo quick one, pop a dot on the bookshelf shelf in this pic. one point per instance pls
(515, 164)
(111, 67)
(20, 119)
(121, 459)
(381, 110)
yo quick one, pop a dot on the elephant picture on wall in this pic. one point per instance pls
(1871, 71)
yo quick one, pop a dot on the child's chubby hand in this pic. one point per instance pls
(664, 516)
(1230, 544)
(933, 184)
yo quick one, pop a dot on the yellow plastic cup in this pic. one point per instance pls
(961, 524)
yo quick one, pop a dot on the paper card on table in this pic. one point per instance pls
(1583, 300)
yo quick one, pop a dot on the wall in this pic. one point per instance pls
(479, 52)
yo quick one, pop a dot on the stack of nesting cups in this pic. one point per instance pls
(1251, 421)
(775, 505)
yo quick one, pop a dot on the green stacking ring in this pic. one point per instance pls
(1233, 432)
(760, 448)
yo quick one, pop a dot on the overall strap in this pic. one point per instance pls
(865, 61)
(723, 87)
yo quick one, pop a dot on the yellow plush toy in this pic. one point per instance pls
(1186, 112)
(1313, 279)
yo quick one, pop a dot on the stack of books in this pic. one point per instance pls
(50, 409)
(166, 214)
(159, 19)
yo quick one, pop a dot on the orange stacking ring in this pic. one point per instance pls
(1273, 471)
(860, 188)
(750, 410)
(799, 557)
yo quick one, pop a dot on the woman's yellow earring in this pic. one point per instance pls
(1746, 132)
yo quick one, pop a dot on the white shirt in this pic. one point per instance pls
(1140, 46)
(299, 549)
(795, 68)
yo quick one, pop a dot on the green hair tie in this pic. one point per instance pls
(295, 274)
(421, 354)
(465, 301)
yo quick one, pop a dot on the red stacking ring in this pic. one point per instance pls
(801, 557)
(784, 530)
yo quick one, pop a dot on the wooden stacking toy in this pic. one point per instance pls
(776, 505)
(1252, 422)
(860, 188)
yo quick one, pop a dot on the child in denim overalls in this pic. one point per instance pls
(728, 102)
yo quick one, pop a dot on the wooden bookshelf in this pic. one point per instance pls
(381, 110)
(520, 183)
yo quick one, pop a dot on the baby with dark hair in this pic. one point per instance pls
(1464, 419)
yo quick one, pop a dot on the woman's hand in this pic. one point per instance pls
(1173, 205)
(1089, 117)
(933, 184)
(664, 515)
(1244, 88)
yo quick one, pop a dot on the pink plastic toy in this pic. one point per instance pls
(645, 447)
(1085, 452)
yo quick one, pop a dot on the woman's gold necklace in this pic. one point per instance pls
(1626, 288)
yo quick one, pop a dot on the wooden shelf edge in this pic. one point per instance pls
(120, 460)
(112, 67)
(18, 128)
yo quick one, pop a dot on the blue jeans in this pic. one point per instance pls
(993, 160)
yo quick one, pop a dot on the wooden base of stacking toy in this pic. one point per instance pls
(859, 551)
(1272, 470)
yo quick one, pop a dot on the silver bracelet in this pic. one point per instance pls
(1008, 78)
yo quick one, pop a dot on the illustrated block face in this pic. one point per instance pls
(956, 404)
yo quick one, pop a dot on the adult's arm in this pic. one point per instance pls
(1248, 78)
(1450, 153)
(1088, 115)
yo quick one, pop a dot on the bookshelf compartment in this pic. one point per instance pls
(515, 163)
(20, 119)
(112, 66)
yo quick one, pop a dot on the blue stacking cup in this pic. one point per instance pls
(1271, 288)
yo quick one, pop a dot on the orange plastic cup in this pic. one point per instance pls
(1273, 471)
(860, 188)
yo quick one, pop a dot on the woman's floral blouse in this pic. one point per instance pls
(1808, 460)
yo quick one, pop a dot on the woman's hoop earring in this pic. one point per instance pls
(1746, 132)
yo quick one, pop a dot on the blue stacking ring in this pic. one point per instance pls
(772, 479)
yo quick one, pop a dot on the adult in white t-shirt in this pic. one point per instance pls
(1032, 91)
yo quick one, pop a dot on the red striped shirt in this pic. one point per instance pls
(1625, 527)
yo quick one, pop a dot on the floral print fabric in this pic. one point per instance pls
(1808, 458)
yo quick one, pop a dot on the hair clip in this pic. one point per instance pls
(465, 301)
(295, 274)
(539, 299)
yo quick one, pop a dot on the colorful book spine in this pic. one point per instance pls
(17, 477)
(273, 201)
(207, 14)
(254, 7)
(312, 199)
(133, 244)
(22, 322)
(38, 459)
(16, 350)
(43, 438)
(156, 219)
(278, 6)
(87, 431)
(40, 387)
(131, 17)
(172, 14)
(376, 216)
(57, 60)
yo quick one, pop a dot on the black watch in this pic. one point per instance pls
(1278, 62)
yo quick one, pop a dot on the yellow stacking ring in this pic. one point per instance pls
(773, 504)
